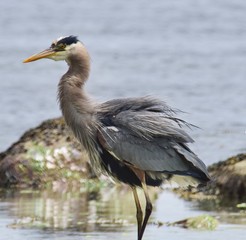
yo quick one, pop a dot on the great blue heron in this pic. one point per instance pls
(138, 141)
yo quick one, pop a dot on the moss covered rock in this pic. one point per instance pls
(202, 222)
(44, 155)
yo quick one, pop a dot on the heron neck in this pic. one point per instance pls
(79, 113)
(79, 68)
(78, 110)
(74, 102)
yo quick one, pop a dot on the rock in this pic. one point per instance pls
(47, 154)
(203, 222)
(230, 177)
(241, 206)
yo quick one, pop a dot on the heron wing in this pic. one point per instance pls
(141, 153)
(146, 117)
(149, 137)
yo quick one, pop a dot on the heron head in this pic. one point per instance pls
(60, 49)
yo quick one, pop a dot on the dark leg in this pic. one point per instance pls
(139, 211)
(141, 176)
(148, 209)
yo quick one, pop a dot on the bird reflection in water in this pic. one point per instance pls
(107, 209)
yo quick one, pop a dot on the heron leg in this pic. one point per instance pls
(139, 214)
(148, 209)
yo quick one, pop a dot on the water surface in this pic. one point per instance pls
(107, 215)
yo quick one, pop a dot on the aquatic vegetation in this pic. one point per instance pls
(203, 222)
(241, 206)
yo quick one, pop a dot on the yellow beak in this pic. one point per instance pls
(44, 54)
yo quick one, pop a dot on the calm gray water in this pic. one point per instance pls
(190, 53)
(69, 216)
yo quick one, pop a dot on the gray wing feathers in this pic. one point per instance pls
(151, 124)
(142, 153)
(146, 133)
(192, 158)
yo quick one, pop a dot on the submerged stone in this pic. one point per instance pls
(203, 222)
(241, 206)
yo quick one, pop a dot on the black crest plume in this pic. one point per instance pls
(68, 40)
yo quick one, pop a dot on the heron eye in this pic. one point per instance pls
(61, 46)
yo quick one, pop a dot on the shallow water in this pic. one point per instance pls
(108, 215)
(190, 53)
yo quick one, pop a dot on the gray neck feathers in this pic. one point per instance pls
(77, 108)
